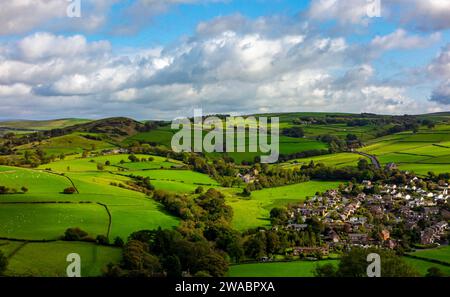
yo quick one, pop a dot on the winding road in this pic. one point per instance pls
(372, 158)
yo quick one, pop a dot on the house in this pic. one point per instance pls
(391, 166)
(297, 251)
(358, 238)
(297, 227)
(333, 237)
(385, 235)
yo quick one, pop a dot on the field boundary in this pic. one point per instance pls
(67, 177)
(109, 218)
(17, 249)
(435, 261)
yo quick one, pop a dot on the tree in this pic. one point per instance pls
(434, 272)
(133, 158)
(246, 192)
(354, 264)
(327, 270)
(199, 190)
(3, 263)
(172, 266)
(75, 234)
(254, 248)
(24, 189)
(295, 132)
(69, 190)
(102, 240)
(100, 167)
(363, 164)
(118, 242)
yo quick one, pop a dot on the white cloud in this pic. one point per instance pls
(401, 40)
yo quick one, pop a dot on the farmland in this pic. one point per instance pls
(44, 213)
(254, 211)
(421, 152)
(278, 269)
(49, 259)
(108, 163)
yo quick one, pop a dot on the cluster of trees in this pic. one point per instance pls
(354, 264)
(202, 245)
(295, 132)
(168, 253)
(258, 243)
(7, 190)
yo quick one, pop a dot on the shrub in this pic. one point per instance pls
(118, 242)
(70, 190)
(102, 240)
(75, 234)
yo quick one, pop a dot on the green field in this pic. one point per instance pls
(278, 269)
(35, 181)
(67, 144)
(333, 160)
(49, 259)
(37, 221)
(427, 150)
(422, 266)
(441, 254)
(42, 125)
(116, 161)
(49, 221)
(254, 212)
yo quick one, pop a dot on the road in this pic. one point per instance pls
(372, 158)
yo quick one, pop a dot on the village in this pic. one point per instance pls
(392, 216)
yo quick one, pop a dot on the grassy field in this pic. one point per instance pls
(37, 221)
(422, 266)
(49, 259)
(254, 212)
(35, 181)
(441, 254)
(67, 144)
(306, 268)
(49, 221)
(427, 150)
(42, 125)
(333, 160)
(278, 269)
(116, 161)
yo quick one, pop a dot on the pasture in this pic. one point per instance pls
(49, 221)
(116, 161)
(333, 160)
(67, 144)
(441, 253)
(427, 150)
(49, 259)
(35, 181)
(278, 269)
(255, 211)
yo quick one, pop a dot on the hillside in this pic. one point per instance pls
(26, 125)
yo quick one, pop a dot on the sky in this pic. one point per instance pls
(161, 59)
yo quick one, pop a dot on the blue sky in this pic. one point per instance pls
(163, 58)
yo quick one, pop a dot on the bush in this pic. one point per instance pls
(118, 242)
(199, 190)
(69, 191)
(24, 189)
(102, 240)
(75, 234)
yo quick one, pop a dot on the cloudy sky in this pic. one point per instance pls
(160, 59)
